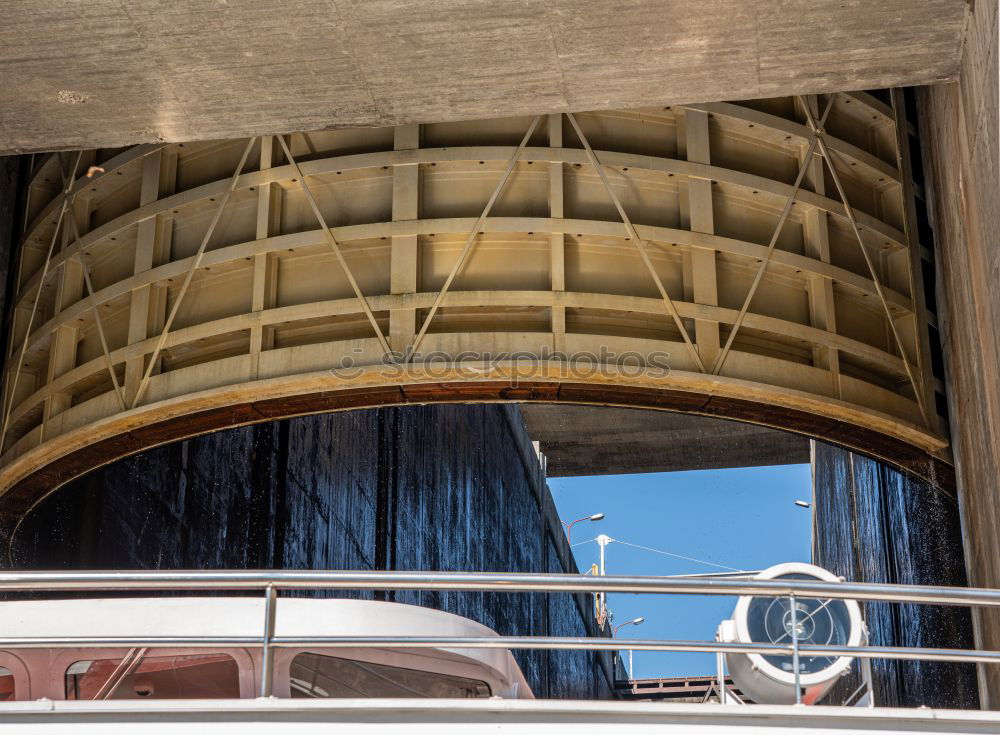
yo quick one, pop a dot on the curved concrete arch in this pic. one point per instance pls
(881, 234)
(324, 263)
(474, 299)
(655, 235)
(40, 471)
(871, 165)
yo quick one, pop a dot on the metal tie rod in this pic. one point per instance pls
(480, 582)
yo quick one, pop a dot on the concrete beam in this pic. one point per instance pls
(587, 440)
(108, 73)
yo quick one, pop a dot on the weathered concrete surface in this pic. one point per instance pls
(959, 129)
(421, 488)
(871, 523)
(588, 440)
(112, 73)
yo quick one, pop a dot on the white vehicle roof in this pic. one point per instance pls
(194, 617)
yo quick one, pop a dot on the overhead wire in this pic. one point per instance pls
(666, 553)
(679, 556)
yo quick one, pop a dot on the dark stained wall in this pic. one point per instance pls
(874, 524)
(13, 174)
(420, 488)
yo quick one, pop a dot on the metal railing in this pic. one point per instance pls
(270, 582)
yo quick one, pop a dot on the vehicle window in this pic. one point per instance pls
(328, 677)
(139, 676)
(6, 685)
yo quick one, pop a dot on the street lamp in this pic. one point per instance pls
(569, 526)
(636, 621)
(614, 634)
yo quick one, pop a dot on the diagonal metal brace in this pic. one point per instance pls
(849, 212)
(190, 274)
(97, 312)
(721, 359)
(640, 245)
(470, 242)
(335, 246)
(12, 386)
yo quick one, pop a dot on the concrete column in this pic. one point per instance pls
(147, 312)
(702, 281)
(557, 240)
(265, 266)
(405, 250)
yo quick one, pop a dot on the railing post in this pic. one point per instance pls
(795, 648)
(267, 651)
(720, 672)
(869, 682)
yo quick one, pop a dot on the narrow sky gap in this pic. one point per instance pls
(744, 518)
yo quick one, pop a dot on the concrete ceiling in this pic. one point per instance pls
(116, 72)
(590, 440)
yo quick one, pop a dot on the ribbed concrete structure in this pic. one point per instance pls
(706, 265)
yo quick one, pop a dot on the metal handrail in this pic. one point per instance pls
(956, 655)
(272, 581)
(489, 581)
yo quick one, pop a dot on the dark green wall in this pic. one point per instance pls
(874, 524)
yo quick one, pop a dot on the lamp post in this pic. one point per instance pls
(614, 634)
(636, 621)
(602, 601)
(569, 526)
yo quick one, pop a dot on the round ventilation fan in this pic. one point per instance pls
(771, 679)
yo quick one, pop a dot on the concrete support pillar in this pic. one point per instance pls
(265, 266)
(816, 237)
(557, 240)
(147, 311)
(960, 140)
(69, 288)
(405, 251)
(701, 283)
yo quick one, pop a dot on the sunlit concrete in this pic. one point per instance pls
(111, 73)
(590, 440)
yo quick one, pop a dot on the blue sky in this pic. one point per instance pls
(744, 518)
